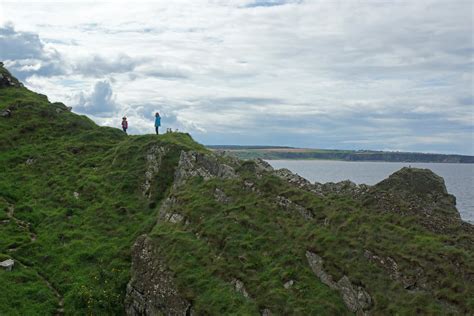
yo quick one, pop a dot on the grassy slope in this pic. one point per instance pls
(83, 244)
(254, 240)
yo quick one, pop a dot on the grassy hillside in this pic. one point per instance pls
(77, 188)
(74, 199)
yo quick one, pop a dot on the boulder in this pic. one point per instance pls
(7, 264)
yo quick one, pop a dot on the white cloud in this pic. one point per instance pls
(303, 73)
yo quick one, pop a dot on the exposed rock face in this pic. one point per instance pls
(168, 212)
(415, 281)
(221, 197)
(192, 164)
(289, 205)
(240, 287)
(355, 297)
(7, 80)
(153, 164)
(151, 291)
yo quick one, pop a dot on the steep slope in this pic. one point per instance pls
(73, 198)
(106, 224)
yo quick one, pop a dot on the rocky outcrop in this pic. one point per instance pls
(7, 264)
(297, 180)
(345, 187)
(415, 281)
(151, 290)
(355, 297)
(194, 164)
(7, 80)
(418, 192)
(291, 206)
(153, 163)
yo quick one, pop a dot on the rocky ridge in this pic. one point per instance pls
(424, 192)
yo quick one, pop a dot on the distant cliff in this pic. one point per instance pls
(269, 153)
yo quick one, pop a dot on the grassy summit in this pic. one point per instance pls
(75, 197)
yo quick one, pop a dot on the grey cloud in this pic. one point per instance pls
(25, 54)
(99, 66)
(100, 101)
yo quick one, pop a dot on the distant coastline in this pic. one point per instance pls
(281, 152)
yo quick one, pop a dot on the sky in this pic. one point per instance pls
(354, 74)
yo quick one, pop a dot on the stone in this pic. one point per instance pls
(297, 180)
(289, 205)
(288, 284)
(220, 196)
(356, 298)
(154, 157)
(30, 161)
(194, 164)
(7, 264)
(76, 195)
(240, 287)
(6, 113)
(152, 289)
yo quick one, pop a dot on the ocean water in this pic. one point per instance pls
(459, 178)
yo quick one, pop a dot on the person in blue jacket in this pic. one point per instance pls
(157, 122)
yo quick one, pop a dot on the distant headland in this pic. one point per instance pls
(283, 152)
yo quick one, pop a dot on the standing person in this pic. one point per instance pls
(124, 124)
(157, 122)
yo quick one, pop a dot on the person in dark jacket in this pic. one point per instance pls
(157, 122)
(124, 124)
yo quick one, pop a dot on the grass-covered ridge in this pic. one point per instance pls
(79, 187)
(72, 204)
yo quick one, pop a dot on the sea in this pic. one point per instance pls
(459, 178)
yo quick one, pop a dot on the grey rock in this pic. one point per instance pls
(194, 164)
(298, 181)
(76, 195)
(168, 211)
(288, 284)
(7, 264)
(356, 298)
(240, 287)
(152, 290)
(154, 158)
(6, 113)
(221, 197)
(289, 205)
(417, 192)
(266, 312)
(30, 161)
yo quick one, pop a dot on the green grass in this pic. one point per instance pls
(83, 244)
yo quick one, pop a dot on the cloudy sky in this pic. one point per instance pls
(353, 74)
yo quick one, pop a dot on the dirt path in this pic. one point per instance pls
(27, 227)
